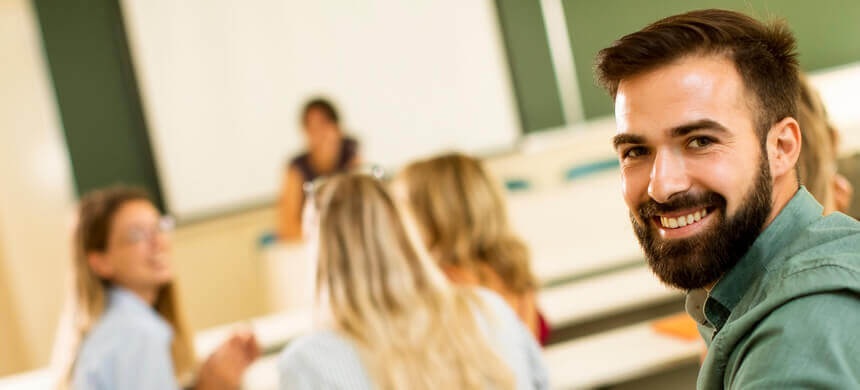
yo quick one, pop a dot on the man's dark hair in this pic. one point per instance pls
(764, 55)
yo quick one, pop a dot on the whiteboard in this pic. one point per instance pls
(222, 82)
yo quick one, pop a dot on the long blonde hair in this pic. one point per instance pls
(414, 330)
(464, 220)
(817, 163)
(95, 220)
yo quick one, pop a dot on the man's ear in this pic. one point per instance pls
(100, 264)
(783, 146)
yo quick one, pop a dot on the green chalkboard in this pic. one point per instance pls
(530, 61)
(97, 95)
(827, 31)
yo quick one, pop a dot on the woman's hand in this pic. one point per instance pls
(224, 368)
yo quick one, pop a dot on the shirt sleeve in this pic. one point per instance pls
(810, 342)
(523, 347)
(145, 364)
(135, 363)
(534, 357)
(296, 374)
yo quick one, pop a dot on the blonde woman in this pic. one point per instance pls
(817, 163)
(461, 214)
(392, 320)
(127, 329)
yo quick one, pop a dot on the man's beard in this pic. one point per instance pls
(698, 261)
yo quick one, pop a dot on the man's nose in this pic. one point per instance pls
(668, 176)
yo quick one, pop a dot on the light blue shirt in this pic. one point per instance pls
(128, 349)
(327, 360)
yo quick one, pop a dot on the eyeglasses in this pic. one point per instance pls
(139, 234)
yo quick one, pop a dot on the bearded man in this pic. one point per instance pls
(705, 104)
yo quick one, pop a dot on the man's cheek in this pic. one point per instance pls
(633, 189)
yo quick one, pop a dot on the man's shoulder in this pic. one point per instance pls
(809, 338)
(836, 235)
(825, 256)
(821, 311)
(823, 262)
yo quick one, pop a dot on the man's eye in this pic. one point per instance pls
(700, 142)
(634, 152)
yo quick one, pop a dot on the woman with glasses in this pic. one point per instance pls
(329, 152)
(388, 317)
(127, 328)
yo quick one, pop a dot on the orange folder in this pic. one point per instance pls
(679, 325)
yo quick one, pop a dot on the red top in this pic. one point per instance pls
(543, 330)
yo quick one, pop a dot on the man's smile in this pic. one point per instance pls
(683, 223)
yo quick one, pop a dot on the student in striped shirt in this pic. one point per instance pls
(389, 319)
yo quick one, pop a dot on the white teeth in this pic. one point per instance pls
(685, 220)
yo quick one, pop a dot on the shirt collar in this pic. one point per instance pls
(799, 213)
(123, 300)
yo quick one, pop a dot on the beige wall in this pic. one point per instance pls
(218, 268)
(36, 195)
(11, 352)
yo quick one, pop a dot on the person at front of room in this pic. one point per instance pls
(389, 318)
(127, 327)
(705, 104)
(329, 152)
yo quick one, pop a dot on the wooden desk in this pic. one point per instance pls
(33, 380)
(272, 331)
(603, 296)
(616, 356)
(262, 375)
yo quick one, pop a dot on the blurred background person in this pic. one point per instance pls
(328, 151)
(395, 321)
(817, 165)
(462, 216)
(128, 327)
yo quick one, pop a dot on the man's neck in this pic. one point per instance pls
(780, 197)
(783, 191)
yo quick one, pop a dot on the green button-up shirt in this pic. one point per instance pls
(787, 316)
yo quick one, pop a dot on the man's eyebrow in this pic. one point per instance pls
(625, 138)
(688, 128)
(675, 132)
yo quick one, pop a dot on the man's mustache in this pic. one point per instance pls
(652, 208)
